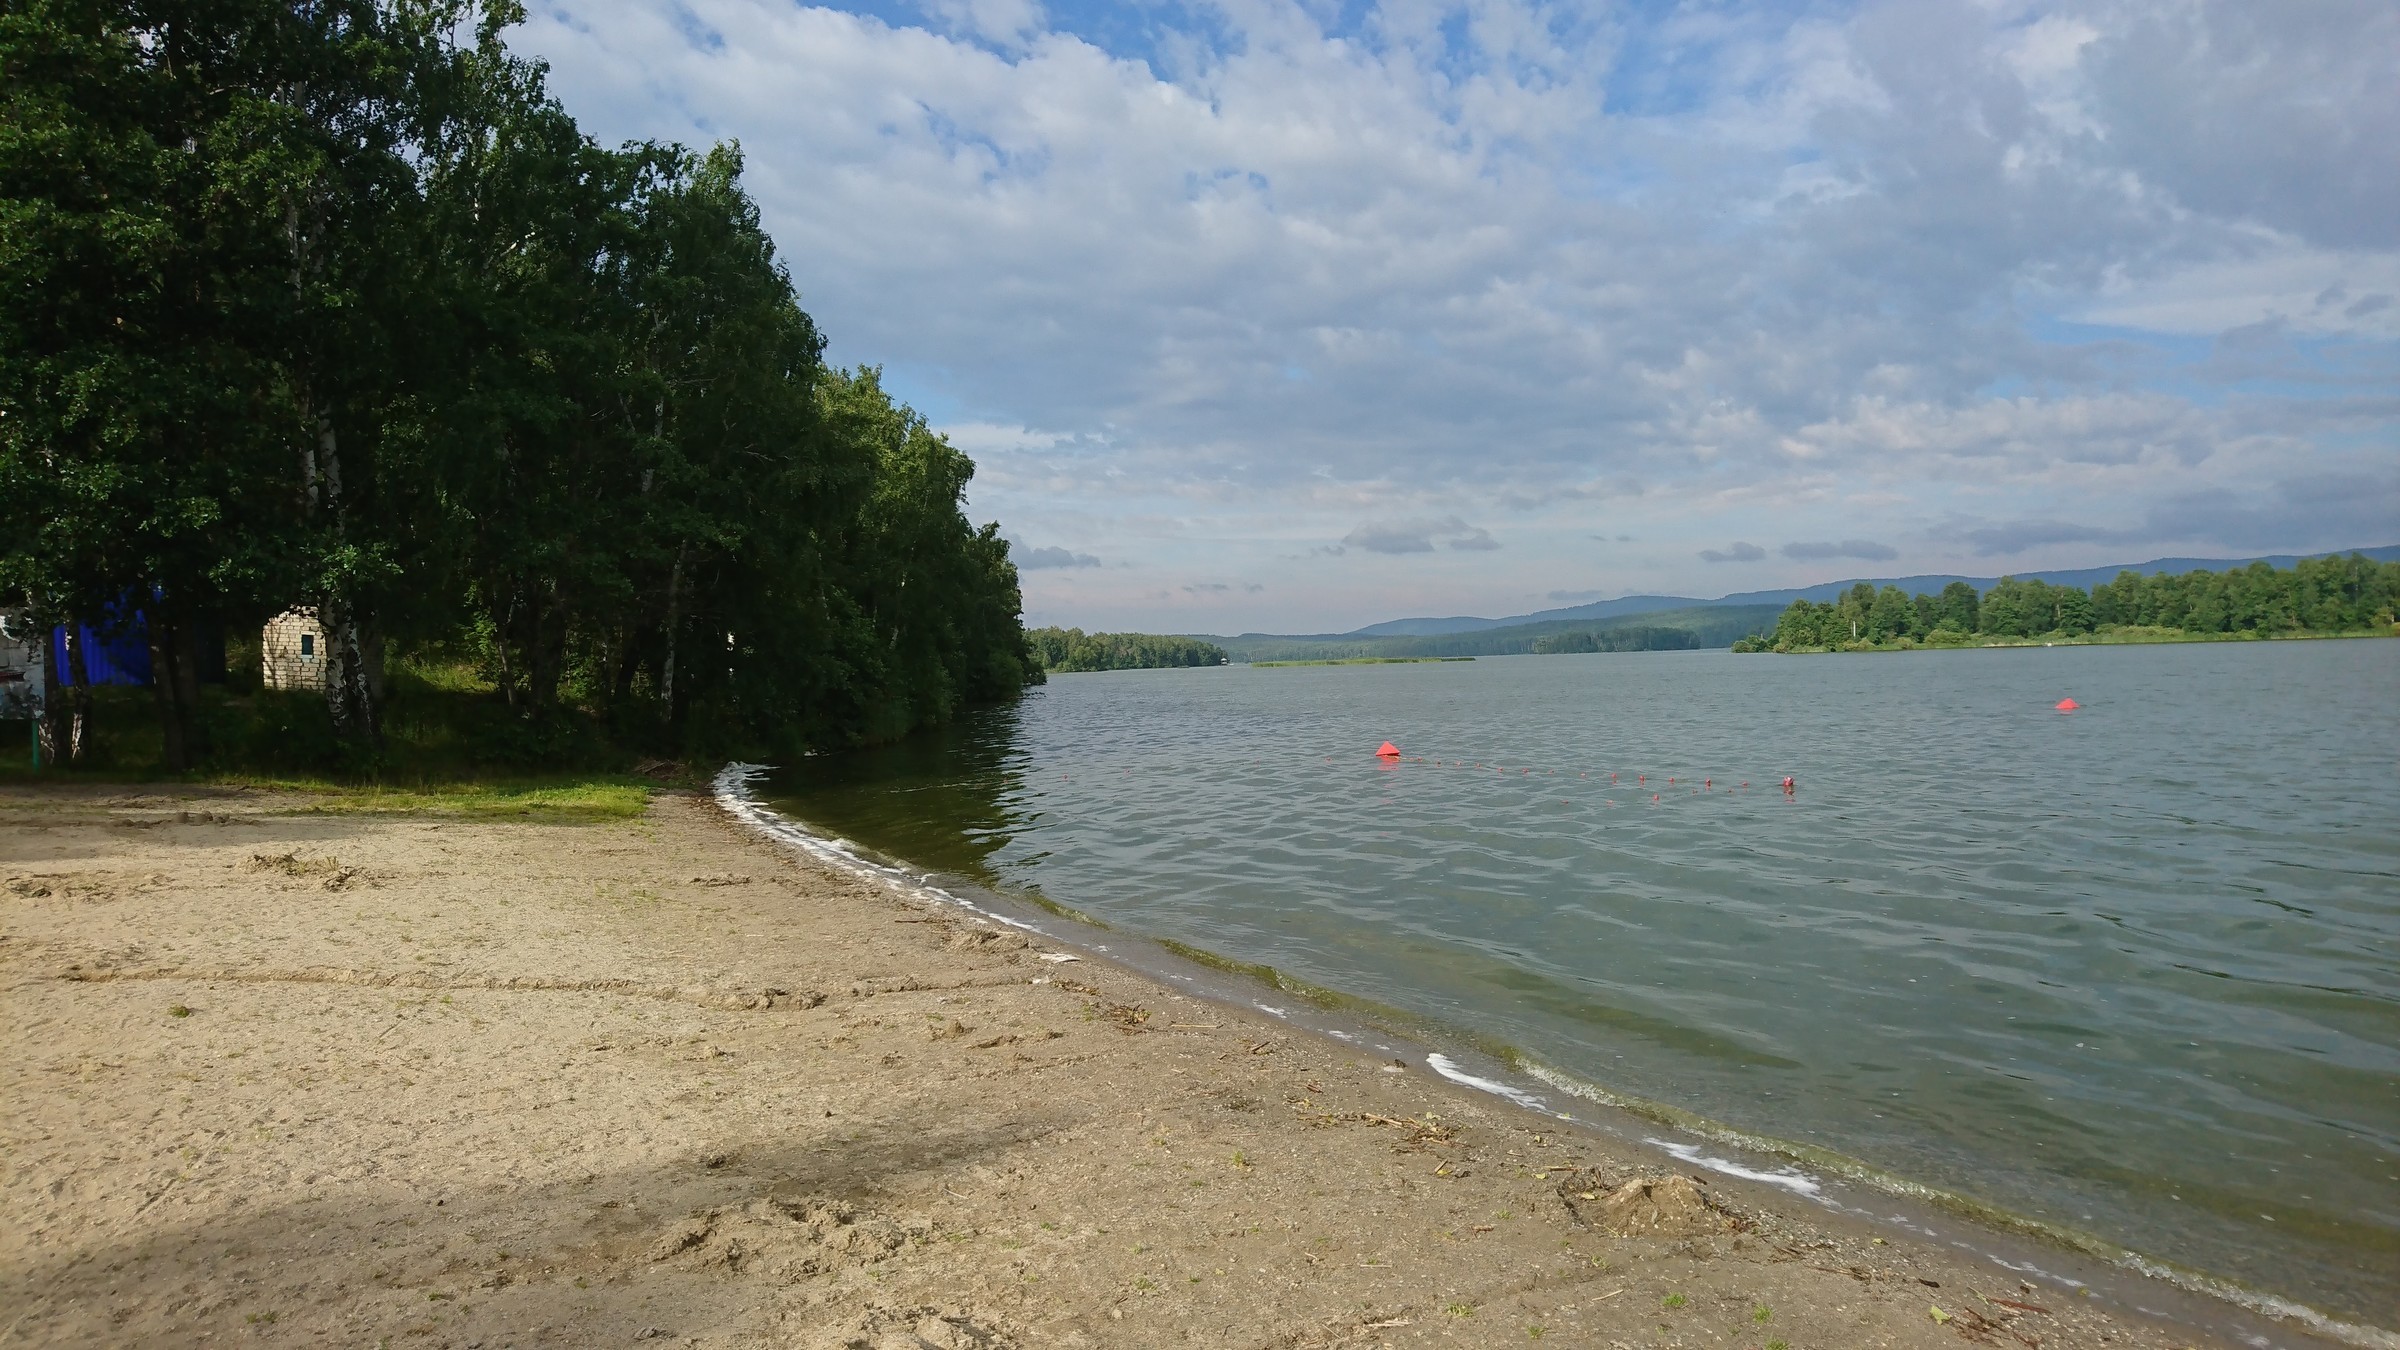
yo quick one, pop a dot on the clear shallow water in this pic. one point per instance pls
(2133, 970)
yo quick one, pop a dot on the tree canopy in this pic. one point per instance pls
(1065, 649)
(329, 303)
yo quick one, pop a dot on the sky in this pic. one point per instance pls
(1295, 317)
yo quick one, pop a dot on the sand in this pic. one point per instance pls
(416, 1081)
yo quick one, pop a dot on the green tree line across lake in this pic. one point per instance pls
(1631, 638)
(329, 303)
(1069, 649)
(2317, 596)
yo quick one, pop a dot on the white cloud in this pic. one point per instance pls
(1866, 549)
(1419, 536)
(1209, 297)
(1735, 552)
(2315, 291)
(1031, 559)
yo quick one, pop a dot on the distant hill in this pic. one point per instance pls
(1629, 605)
(1605, 609)
(1665, 630)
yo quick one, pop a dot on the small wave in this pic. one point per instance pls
(1448, 1068)
(1790, 1178)
(733, 795)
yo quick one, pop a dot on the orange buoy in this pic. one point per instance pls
(1387, 751)
(2068, 705)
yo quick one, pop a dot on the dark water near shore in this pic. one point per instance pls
(2133, 970)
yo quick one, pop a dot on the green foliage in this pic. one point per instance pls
(331, 304)
(1635, 638)
(2352, 594)
(1064, 649)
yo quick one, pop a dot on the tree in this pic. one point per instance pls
(2319, 595)
(1891, 616)
(328, 302)
(1960, 606)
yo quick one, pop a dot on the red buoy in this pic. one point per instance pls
(1387, 751)
(2068, 705)
(1788, 785)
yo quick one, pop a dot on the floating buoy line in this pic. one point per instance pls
(1389, 756)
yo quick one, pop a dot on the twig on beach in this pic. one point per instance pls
(157, 1196)
(1196, 1026)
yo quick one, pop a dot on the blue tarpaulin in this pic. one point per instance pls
(123, 658)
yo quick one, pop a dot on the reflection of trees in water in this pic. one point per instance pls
(943, 799)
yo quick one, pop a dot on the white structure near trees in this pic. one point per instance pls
(291, 651)
(24, 660)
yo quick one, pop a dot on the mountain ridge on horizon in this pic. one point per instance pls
(1914, 585)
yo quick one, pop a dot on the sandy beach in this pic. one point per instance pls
(416, 1080)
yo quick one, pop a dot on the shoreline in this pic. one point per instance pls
(301, 1077)
(1517, 1077)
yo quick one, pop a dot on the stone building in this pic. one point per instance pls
(291, 651)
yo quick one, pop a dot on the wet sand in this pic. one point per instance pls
(426, 1081)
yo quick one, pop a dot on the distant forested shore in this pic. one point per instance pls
(1695, 627)
(1072, 649)
(2317, 597)
(331, 310)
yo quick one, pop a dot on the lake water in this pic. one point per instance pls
(2132, 970)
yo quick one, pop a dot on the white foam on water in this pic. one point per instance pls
(1790, 1178)
(1447, 1068)
(734, 797)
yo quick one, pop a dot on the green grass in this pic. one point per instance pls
(567, 798)
(451, 747)
(1359, 661)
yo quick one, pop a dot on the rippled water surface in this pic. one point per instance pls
(2134, 969)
